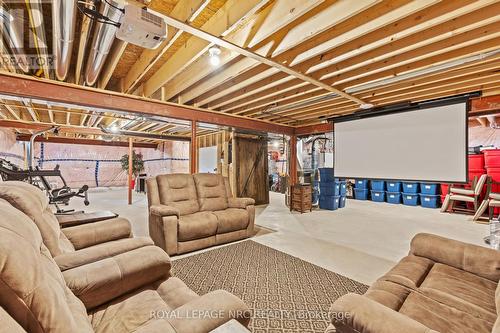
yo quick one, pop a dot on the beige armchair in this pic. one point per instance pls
(191, 212)
(472, 196)
(443, 285)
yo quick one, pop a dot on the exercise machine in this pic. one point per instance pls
(40, 178)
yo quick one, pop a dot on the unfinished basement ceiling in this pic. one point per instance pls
(373, 51)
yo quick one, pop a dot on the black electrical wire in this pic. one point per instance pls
(117, 8)
(96, 16)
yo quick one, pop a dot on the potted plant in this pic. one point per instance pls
(137, 165)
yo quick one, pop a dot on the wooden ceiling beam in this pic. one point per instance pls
(346, 24)
(421, 16)
(184, 10)
(222, 22)
(37, 26)
(264, 28)
(464, 37)
(82, 97)
(475, 68)
(91, 142)
(247, 53)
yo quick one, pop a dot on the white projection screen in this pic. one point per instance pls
(422, 145)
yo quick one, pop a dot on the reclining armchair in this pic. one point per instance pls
(191, 212)
(34, 292)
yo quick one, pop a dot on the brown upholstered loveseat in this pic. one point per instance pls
(191, 212)
(443, 286)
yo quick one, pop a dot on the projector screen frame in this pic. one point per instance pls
(409, 107)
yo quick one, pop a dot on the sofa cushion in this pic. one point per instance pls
(410, 271)
(101, 281)
(196, 226)
(388, 293)
(231, 219)
(128, 313)
(178, 191)
(211, 191)
(32, 288)
(440, 317)
(34, 203)
(462, 290)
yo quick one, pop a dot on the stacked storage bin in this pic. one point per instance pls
(429, 196)
(393, 193)
(410, 194)
(329, 189)
(343, 193)
(377, 190)
(361, 189)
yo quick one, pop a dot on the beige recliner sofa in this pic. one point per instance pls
(34, 293)
(73, 246)
(191, 212)
(443, 285)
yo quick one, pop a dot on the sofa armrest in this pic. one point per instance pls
(475, 259)
(240, 202)
(164, 210)
(208, 312)
(89, 234)
(74, 219)
(101, 281)
(163, 232)
(357, 313)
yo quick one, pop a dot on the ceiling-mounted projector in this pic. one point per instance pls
(142, 27)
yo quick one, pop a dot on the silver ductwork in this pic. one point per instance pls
(63, 32)
(103, 40)
(14, 39)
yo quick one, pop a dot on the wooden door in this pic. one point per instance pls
(250, 167)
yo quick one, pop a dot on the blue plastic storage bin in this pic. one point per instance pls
(360, 193)
(343, 187)
(342, 201)
(430, 189)
(393, 197)
(329, 188)
(410, 187)
(326, 175)
(378, 196)
(329, 202)
(429, 200)
(410, 199)
(377, 185)
(361, 183)
(393, 186)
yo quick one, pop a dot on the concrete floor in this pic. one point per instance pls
(361, 241)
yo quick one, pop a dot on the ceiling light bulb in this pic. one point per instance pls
(114, 129)
(215, 60)
(214, 51)
(366, 106)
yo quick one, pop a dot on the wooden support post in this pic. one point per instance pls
(130, 164)
(193, 148)
(293, 160)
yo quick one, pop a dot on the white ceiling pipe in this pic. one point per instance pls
(103, 40)
(14, 39)
(63, 26)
